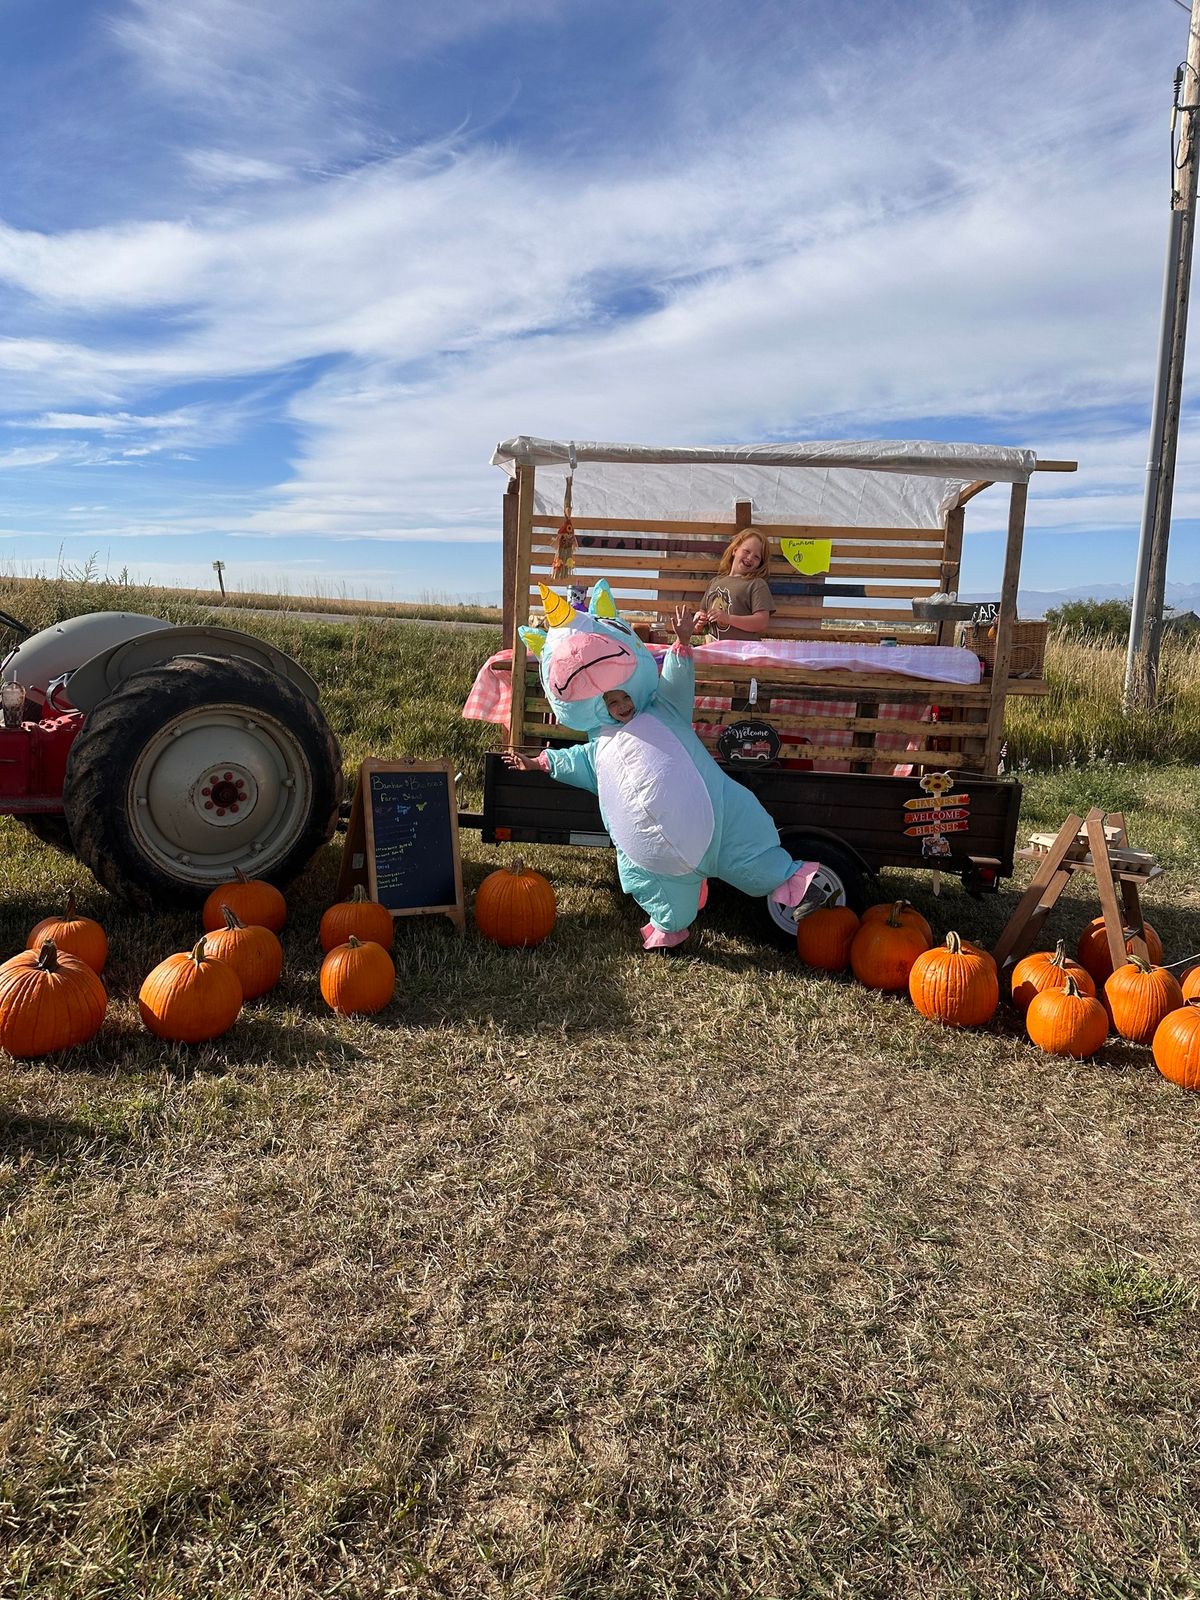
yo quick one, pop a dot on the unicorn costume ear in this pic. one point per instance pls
(602, 603)
(533, 639)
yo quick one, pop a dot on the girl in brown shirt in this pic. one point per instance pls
(738, 602)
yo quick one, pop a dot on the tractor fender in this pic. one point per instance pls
(56, 651)
(97, 677)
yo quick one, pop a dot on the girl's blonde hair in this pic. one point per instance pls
(731, 549)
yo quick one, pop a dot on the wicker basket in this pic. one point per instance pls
(1028, 655)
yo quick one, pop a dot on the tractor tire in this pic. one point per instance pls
(50, 828)
(196, 766)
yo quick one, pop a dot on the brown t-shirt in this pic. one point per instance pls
(741, 597)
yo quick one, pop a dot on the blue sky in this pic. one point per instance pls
(276, 275)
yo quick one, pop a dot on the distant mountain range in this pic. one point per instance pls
(1032, 603)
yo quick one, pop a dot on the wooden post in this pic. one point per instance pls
(951, 563)
(524, 554)
(1008, 615)
(508, 560)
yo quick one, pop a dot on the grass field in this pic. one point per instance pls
(574, 1275)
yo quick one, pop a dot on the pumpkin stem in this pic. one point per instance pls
(359, 895)
(232, 920)
(1136, 961)
(47, 960)
(1070, 987)
(69, 913)
(198, 954)
(355, 944)
(1059, 958)
(517, 867)
(954, 944)
(893, 920)
(240, 875)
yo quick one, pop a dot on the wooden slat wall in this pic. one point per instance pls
(651, 566)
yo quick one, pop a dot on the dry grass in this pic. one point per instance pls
(574, 1275)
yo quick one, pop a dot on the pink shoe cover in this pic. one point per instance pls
(659, 939)
(703, 895)
(792, 892)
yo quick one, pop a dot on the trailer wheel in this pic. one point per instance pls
(841, 874)
(197, 766)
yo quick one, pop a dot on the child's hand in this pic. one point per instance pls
(685, 624)
(518, 762)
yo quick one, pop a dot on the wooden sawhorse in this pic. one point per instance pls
(1095, 844)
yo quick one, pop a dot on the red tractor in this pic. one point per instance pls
(166, 757)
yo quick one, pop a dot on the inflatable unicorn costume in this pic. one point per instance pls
(674, 816)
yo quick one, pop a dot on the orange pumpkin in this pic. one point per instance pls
(1177, 1045)
(1138, 997)
(882, 952)
(189, 997)
(254, 953)
(1191, 984)
(254, 901)
(908, 915)
(1092, 950)
(73, 935)
(1066, 1021)
(824, 937)
(1042, 970)
(515, 907)
(366, 919)
(49, 1001)
(955, 985)
(358, 978)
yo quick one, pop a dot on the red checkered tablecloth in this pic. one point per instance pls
(490, 700)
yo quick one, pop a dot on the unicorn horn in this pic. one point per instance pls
(559, 612)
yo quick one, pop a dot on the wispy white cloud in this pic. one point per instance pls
(894, 225)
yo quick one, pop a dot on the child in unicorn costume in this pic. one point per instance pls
(675, 817)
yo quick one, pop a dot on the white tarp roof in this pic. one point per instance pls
(846, 483)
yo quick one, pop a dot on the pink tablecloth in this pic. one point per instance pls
(490, 700)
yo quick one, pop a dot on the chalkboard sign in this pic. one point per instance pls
(402, 842)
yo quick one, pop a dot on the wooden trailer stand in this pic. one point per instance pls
(870, 722)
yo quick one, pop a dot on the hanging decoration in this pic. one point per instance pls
(564, 540)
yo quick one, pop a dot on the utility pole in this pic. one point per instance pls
(1149, 593)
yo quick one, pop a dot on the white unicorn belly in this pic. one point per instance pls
(655, 803)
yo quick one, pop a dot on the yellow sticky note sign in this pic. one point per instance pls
(808, 555)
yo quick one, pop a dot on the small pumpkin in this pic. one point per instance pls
(1092, 950)
(1066, 1020)
(824, 936)
(515, 907)
(1191, 984)
(1043, 970)
(1138, 996)
(1177, 1045)
(882, 952)
(73, 935)
(358, 978)
(908, 914)
(49, 1001)
(190, 997)
(256, 902)
(955, 985)
(365, 919)
(253, 952)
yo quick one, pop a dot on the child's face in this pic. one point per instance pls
(619, 706)
(748, 557)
